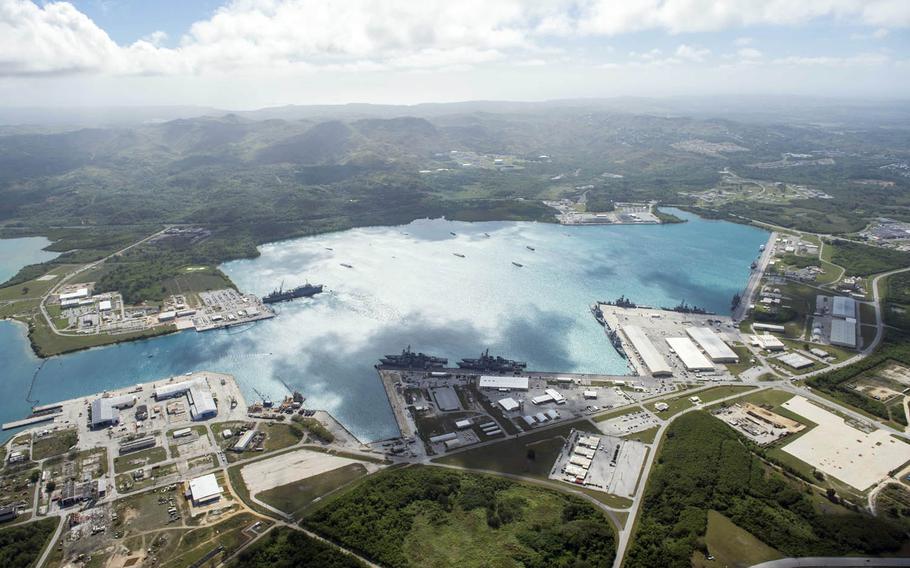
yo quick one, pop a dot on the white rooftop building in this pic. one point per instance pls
(205, 489)
(493, 382)
(688, 353)
(202, 404)
(653, 360)
(843, 332)
(75, 295)
(768, 342)
(105, 411)
(714, 346)
(508, 404)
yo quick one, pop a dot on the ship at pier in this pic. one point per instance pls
(409, 359)
(281, 295)
(489, 363)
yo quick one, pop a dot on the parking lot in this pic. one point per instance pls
(628, 424)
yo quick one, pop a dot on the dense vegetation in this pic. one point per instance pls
(251, 181)
(284, 547)
(704, 465)
(837, 383)
(315, 428)
(20, 546)
(420, 516)
(863, 260)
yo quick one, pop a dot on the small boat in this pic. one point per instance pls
(329, 248)
(458, 254)
(346, 265)
(453, 234)
(487, 235)
(530, 248)
(519, 265)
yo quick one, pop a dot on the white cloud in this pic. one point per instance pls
(864, 60)
(749, 53)
(55, 38)
(742, 41)
(690, 53)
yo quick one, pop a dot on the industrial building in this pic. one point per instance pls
(244, 442)
(136, 445)
(106, 411)
(104, 305)
(508, 404)
(511, 383)
(653, 360)
(202, 404)
(693, 359)
(843, 307)
(204, 489)
(767, 342)
(843, 332)
(796, 360)
(75, 295)
(714, 346)
(769, 327)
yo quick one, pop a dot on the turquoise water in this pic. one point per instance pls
(16, 253)
(407, 287)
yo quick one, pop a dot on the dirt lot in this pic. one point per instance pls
(290, 467)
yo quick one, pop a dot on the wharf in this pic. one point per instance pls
(31, 420)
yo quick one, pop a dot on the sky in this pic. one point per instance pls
(246, 54)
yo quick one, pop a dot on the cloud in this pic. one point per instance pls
(749, 53)
(303, 35)
(742, 41)
(690, 53)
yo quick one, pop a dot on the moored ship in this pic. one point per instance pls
(282, 295)
(409, 359)
(497, 364)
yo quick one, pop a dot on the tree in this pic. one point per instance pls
(49, 488)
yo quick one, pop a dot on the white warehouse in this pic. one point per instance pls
(693, 359)
(653, 360)
(714, 346)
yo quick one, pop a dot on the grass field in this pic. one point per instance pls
(631, 409)
(731, 546)
(515, 455)
(295, 498)
(54, 444)
(174, 443)
(47, 343)
(745, 360)
(280, 436)
(139, 459)
(645, 436)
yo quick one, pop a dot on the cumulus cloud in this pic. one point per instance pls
(56, 38)
(749, 53)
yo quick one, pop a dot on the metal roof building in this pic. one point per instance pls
(492, 382)
(843, 332)
(688, 353)
(105, 411)
(202, 404)
(767, 341)
(843, 307)
(769, 327)
(508, 404)
(796, 360)
(714, 346)
(652, 359)
(205, 489)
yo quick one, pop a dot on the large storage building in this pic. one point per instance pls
(202, 404)
(205, 489)
(843, 332)
(106, 411)
(693, 359)
(843, 307)
(714, 346)
(653, 360)
(493, 382)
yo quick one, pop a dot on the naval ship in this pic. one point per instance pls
(282, 295)
(496, 364)
(411, 360)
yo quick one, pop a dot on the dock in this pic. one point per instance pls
(31, 420)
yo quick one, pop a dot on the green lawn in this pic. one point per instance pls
(731, 546)
(54, 444)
